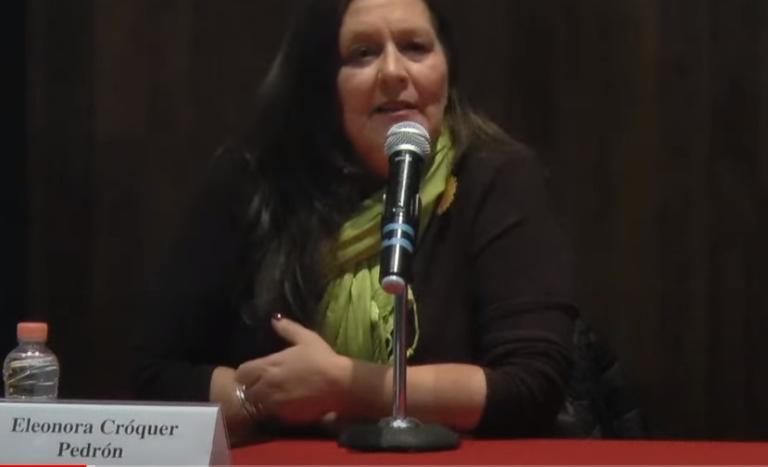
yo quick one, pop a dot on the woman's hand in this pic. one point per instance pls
(309, 383)
(300, 385)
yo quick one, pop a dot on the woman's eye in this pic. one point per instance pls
(415, 48)
(360, 53)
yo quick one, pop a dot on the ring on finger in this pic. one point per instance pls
(254, 412)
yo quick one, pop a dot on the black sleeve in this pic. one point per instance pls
(523, 280)
(188, 304)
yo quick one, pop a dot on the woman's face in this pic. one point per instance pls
(393, 69)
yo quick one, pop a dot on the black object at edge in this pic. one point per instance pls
(416, 438)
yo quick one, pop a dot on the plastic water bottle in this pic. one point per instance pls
(31, 370)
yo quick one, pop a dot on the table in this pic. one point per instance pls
(513, 452)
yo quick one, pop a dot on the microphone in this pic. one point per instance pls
(408, 147)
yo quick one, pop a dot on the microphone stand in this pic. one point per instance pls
(407, 146)
(399, 432)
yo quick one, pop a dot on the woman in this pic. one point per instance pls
(275, 310)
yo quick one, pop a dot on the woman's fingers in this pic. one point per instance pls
(251, 372)
(293, 332)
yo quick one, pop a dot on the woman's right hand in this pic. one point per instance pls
(300, 385)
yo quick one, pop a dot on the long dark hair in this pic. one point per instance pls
(306, 181)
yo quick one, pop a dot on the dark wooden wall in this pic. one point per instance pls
(12, 162)
(651, 114)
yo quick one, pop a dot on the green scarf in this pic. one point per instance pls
(356, 314)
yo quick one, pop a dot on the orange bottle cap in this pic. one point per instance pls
(32, 332)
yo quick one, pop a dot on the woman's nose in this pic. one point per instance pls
(393, 74)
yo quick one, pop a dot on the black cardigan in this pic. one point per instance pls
(491, 277)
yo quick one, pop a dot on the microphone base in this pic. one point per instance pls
(408, 435)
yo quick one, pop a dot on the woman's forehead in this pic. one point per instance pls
(367, 13)
(400, 17)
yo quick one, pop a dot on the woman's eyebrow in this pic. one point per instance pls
(358, 34)
(353, 32)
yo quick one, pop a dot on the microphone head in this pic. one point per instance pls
(408, 136)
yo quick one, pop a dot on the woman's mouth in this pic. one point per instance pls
(394, 107)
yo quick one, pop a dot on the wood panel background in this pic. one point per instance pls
(12, 175)
(651, 114)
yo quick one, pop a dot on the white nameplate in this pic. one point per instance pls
(104, 433)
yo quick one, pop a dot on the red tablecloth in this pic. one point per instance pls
(513, 452)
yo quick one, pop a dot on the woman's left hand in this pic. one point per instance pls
(301, 384)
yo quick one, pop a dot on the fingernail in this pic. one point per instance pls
(277, 316)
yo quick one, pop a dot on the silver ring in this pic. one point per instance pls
(255, 414)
